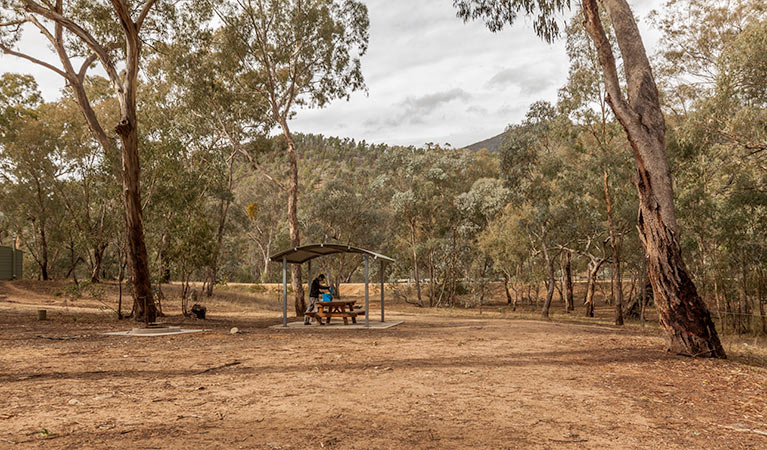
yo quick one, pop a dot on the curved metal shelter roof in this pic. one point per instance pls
(300, 255)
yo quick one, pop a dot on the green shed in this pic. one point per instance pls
(10, 263)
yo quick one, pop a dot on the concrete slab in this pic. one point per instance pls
(338, 324)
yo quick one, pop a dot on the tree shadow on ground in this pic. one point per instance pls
(553, 359)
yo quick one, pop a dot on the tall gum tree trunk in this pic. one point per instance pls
(98, 258)
(569, 282)
(127, 129)
(137, 254)
(43, 252)
(592, 285)
(293, 226)
(551, 278)
(506, 288)
(681, 312)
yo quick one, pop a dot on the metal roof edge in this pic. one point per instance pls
(277, 257)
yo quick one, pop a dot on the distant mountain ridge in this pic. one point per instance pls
(492, 144)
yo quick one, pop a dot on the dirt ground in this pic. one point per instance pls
(439, 380)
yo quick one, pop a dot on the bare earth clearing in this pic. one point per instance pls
(436, 381)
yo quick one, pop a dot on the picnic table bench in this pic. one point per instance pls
(337, 308)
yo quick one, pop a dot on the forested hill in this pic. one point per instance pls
(316, 147)
(492, 144)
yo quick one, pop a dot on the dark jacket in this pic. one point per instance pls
(314, 291)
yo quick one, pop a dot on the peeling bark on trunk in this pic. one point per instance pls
(139, 261)
(591, 285)
(98, 258)
(682, 313)
(569, 282)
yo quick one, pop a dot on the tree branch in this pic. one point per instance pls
(596, 30)
(80, 32)
(143, 14)
(11, 52)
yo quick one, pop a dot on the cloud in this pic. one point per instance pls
(529, 80)
(428, 103)
(477, 109)
(414, 110)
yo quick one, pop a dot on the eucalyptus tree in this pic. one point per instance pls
(26, 167)
(343, 213)
(601, 143)
(713, 76)
(297, 53)
(185, 176)
(477, 207)
(695, 36)
(214, 110)
(532, 166)
(111, 34)
(32, 163)
(506, 241)
(448, 242)
(733, 116)
(682, 313)
(262, 203)
(19, 96)
(90, 195)
(79, 179)
(407, 202)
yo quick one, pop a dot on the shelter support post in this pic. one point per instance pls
(309, 277)
(382, 291)
(367, 291)
(284, 291)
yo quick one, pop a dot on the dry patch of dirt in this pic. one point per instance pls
(436, 381)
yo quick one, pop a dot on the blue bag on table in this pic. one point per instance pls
(327, 297)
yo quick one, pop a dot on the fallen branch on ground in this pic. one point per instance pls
(233, 363)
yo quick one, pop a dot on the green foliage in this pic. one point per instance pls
(498, 13)
(19, 97)
(298, 52)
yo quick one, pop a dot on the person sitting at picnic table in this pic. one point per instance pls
(314, 297)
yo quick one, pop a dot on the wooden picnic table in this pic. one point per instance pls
(338, 308)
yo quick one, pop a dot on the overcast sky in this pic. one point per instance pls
(430, 77)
